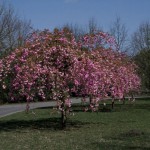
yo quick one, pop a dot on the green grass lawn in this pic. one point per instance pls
(126, 127)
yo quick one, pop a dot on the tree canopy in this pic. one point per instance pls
(52, 65)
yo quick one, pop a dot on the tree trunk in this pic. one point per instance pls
(90, 98)
(113, 102)
(123, 100)
(63, 119)
(63, 116)
(132, 97)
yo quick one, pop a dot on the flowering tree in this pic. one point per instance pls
(52, 65)
(113, 73)
(43, 68)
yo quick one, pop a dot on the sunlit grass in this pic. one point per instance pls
(125, 127)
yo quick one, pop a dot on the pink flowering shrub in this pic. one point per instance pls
(103, 71)
(52, 65)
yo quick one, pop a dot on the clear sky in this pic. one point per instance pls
(55, 13)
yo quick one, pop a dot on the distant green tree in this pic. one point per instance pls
(142, 59)
(140, 46)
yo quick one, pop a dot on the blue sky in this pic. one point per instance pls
(55, 13)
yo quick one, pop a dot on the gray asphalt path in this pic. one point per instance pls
(6, 110)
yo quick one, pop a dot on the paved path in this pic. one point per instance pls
(9, 109)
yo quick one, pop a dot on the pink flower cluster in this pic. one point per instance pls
(52, 65)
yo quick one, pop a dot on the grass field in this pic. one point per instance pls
(126, 127)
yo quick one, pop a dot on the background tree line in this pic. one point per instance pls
(14, 31)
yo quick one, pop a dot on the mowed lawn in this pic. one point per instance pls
(126, 127)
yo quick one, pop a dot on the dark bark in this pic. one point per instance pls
(63, 117)
(90, 99)
(123, 99)
(113, 102)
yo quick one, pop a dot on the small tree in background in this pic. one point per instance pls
(119, 31)
(141, 38)
(13, 30)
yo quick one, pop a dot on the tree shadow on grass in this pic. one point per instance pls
(123, 140)
(128, 107)
(52, 124)
(138, 136)
(115, 146)
(143, 106)
(117, 107)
